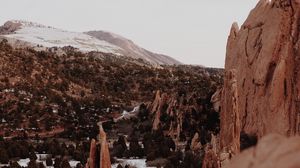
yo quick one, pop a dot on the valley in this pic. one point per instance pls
(46, 97)
(95, 99)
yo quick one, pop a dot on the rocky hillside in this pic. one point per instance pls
(41, 91)
(131, 49)
(39, 36)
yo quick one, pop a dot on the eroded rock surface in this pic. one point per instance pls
(230, 119)
(104, 152)
(273, 151)
(264, 53)
(182, 116)
(101, 159)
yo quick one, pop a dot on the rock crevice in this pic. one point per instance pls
(263, 54)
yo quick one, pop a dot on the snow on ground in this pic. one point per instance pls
(138, 163)
(52, 37)
(128, 115)
(24, 162)
(73, 163)
(42, 158)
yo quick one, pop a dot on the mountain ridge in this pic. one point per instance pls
(35, 34)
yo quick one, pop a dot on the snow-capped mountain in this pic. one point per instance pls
(35, 34)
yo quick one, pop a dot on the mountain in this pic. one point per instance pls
(131, 49)
(37, 35)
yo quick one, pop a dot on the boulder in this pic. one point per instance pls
(272, 151)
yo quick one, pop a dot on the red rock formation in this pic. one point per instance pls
(210, 160)
(157, 106)
(104, 152)
(173, 107)
(230, 119)
(264, 54)
(91, 160)
(196, 144)
(216, 100)
(273, 151)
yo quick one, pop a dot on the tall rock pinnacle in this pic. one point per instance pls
(104, 152)
(104, 160)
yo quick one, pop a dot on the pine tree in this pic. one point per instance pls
(4, 159)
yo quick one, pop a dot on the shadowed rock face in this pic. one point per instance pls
(264, 54)
(273, 151)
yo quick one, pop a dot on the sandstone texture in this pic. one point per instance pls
(94, 160)
(261, 86)
(104, 151)
(184, 116)
(92, 157)
(273, 151)
(230, 119)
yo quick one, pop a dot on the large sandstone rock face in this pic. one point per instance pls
(265, 59)
(273, 151)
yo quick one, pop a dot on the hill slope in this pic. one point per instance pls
(131, 49)
(76, 88)
(34, 34)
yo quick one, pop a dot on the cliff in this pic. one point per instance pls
(264, 54)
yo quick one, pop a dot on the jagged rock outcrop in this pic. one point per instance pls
(264, 54)
(182, 116)
(92, 157)
(261, 90)
(164, 104)
(230, 119)
(196, 144)
(273, 151)
(216, 100)
(211, 159)
(104, 160)
(104, 152)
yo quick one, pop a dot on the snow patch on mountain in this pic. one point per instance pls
(51, 37)
(24, 33)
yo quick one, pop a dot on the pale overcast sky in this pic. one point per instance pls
(192, 31)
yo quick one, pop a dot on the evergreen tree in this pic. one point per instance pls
(32, 164)
(65, 164)
(14, 164)
(49, 161)
(4, 159)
